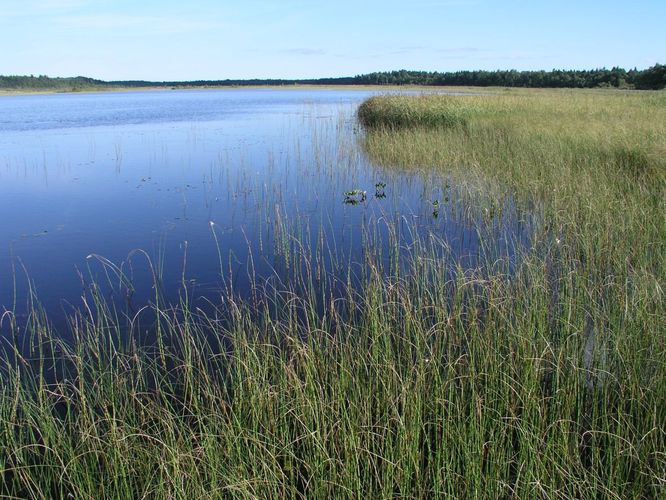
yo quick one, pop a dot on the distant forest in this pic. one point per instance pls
(651, 78)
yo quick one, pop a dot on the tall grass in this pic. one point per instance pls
(546, 379)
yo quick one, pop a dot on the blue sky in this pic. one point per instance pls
(218, 39)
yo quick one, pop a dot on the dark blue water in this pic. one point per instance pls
(211, 186)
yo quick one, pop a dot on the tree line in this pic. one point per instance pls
(43, 82)
(650, 78)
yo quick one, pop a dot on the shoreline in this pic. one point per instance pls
(388, 88)
(15, 92)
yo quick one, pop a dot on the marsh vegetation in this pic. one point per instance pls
(533, 369)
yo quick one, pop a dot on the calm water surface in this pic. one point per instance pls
(89, 177)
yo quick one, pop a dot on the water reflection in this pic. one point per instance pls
(217, 189)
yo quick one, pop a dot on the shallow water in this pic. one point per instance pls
(90, 177)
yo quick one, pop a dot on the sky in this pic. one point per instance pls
(218, 39)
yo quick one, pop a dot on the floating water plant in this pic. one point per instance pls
(435, 208)
(355, 196)
(379, 190)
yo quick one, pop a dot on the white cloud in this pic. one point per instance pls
(448, 3)
(32, 8)
(304, 51)
(140, 25)
(60, 4)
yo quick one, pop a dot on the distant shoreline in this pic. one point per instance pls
(653, 78)
(388, 88)
(104, 90)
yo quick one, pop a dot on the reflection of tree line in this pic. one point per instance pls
(651, 78)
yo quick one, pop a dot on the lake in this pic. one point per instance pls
(203, 190)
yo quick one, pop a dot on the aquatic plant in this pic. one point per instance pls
(355, 196)
(379, 190)
(541, 376)
(435, 208)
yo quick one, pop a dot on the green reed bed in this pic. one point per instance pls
(542, 380)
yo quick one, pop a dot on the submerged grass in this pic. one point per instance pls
(545, 381)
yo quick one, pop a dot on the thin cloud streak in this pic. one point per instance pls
(140, 25)
(304, 51)
(41, 8)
